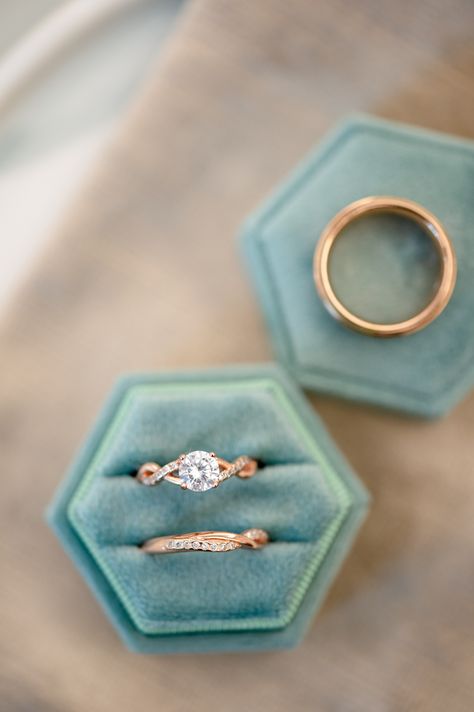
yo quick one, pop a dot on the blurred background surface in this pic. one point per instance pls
(127, 165)
(68, 71)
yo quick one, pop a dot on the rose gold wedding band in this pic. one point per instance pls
(197, 471)
(206, 541)
(421, 216)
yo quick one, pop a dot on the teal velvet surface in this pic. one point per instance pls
(383, 269)
(305, 496)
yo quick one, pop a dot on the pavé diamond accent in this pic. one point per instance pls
(207, 541)
(235, 467)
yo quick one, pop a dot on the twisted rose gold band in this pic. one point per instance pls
(150, 473)
(213, 541)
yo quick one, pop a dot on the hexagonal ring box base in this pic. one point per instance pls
(305, 496)
(384, 274)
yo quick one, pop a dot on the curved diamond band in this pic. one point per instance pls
(197, 471)
(206, 541)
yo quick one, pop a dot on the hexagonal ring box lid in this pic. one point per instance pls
(305, 496)
(385, 273)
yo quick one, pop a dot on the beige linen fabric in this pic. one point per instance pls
(145, 275)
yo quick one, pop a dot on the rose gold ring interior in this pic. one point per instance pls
(212, 541)
(150, 473)
(413, 211)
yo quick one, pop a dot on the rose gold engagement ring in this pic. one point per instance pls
(197, 471)
(422, 217)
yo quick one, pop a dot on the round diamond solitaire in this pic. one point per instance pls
(199, 471)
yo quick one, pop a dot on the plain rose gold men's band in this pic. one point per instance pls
(212, 541)
(421, 216)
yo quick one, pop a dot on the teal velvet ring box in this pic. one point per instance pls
(305, 496)
(384, 270)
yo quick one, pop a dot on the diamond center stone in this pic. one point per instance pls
(199, 470)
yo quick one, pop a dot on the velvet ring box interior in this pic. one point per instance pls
(384, 269)
(305, 496)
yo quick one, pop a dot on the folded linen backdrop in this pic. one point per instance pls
(144, 274)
